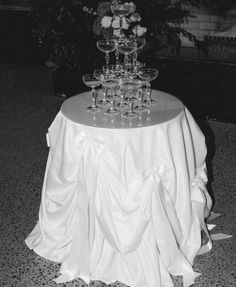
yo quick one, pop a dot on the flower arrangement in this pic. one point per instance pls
(66, 30)
(109, 25)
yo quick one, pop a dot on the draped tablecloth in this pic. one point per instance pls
(123, 200)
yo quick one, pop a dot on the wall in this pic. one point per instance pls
(207, 23)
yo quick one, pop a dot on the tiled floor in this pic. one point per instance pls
(28, 106)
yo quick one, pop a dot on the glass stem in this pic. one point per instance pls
(107, 59)
(126, 60)
(140, 119)
(122, 96)
(148, 87)
(93, 93)
(122, 100)
(112, 100)
(131, 106)
(135, 58)
(148, 116)
(140, 96)
(112, 104)
(117, 55)
(104, 94)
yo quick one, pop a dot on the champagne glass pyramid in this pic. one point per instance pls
(106, 46)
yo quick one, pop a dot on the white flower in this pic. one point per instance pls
(85, 9)
(139, 31)
(133, 6)
(116, 18)
(135, 17)
(106, 21)
(125, 24)
(116, 32)
(116, 24)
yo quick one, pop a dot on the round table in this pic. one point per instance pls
(167, 108)
(123, 200)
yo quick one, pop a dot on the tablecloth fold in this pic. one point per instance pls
(124, 204)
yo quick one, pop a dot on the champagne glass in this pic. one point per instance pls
(140, 43)
(110, 70)
(112, 85)
(113, 72)
(92, 82)
(141, 106)
(126, 48)
(148, 75)
(100, 75)
(106, 46)
(130, 87)
(121, 10)
(117, 55)
(122, 102)
(117, 39)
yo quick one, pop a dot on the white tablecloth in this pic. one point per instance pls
(124, 204)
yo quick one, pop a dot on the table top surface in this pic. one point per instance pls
(167, 108)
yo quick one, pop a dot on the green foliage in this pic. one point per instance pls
(62, 31)
(64, 28)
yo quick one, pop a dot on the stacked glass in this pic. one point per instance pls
(120, 91)
(122, 84)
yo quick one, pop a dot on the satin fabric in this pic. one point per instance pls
(124, 205)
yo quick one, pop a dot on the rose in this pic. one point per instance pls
(116, 23)
(125, 24)
(139, 31)
(108, 25)
(135, 17)
(132, 5)
(116, 32)
(106, 21)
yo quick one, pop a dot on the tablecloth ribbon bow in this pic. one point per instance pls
(168, 227)
(202, 204)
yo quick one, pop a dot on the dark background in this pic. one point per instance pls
(207, 87)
